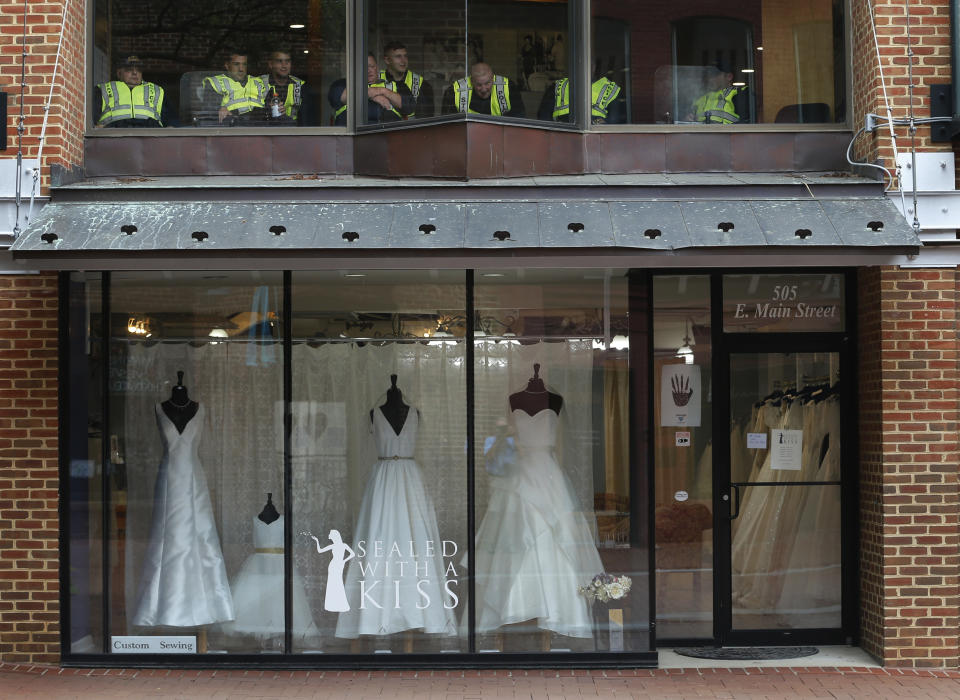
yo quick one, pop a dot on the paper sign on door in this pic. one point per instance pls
(786, 449)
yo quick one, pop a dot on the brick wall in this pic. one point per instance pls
(29, 583)
(63, 145)
(910, 610)
(930, 33)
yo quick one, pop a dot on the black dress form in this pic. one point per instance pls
(269, 513)
(394, 409)
(535, 397)
(179, 408)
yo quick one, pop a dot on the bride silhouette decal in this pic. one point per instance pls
(335, 597)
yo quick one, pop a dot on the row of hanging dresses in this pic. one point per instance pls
(787, 533)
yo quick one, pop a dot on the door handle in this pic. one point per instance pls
(736, 502)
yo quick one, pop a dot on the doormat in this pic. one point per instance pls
(747, 653)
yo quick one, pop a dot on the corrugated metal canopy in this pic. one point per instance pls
(84, 229)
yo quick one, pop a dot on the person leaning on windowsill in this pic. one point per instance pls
(131, 102)
(383, 104)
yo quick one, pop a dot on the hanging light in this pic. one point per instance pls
(685, 351)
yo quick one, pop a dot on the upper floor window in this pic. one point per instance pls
(216, 63)
(224, 63)
(753, 62)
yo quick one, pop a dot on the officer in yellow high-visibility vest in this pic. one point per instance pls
(483, 92)
(397, 71)
(238, 97)
(383, 103)
(606, 102)
(723, 103)
(285, 92)
(129, 101)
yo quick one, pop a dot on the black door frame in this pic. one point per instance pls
(725, 344)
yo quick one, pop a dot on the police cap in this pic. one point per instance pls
(131, 61)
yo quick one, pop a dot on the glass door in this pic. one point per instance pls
(785, 516)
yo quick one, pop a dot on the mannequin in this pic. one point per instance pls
(535, 397)
(179, 408)
(269, 513)
(394, 409)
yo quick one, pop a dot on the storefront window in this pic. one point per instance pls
(683, 455)
(195, 408)
(89, 447)
(378, 462)
(242, 485)
(760, 63)
(558, 567)
(221, 63)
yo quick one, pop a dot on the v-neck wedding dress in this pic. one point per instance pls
(396, 580)
(184, 581)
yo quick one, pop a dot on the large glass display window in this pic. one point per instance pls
(683, 455)
(378, 461)
(557, 565)
(354, 463)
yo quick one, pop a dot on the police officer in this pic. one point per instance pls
(128, 101)
(238, 97)
(285, 92)
(397, 71)
(723, 103)
(483, 92)
(606, 103)
(383, 104)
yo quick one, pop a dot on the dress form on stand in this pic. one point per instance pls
(179, 408)
(535, 397)
(394, 409)
(269, 513)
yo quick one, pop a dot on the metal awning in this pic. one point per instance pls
(65, 234)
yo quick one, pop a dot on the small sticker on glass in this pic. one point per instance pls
(756, 441)
(681, 496)
(683, 439)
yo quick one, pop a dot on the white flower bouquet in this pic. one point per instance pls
(606, 587)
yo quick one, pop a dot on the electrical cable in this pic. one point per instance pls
(46, 109)
(913, 125)
(23, 78)
(887, 186)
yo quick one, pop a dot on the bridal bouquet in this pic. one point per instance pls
(606, 587)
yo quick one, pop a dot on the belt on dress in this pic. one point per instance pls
(268, 550)
(396, 457)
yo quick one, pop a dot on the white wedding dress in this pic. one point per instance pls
(388, 589)
(184, 581)
(534, 545)
(258, 589)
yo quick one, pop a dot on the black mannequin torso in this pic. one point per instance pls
(535, 397)
(269, 513)
(179, 408)
(394, 409)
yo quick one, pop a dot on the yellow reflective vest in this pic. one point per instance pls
(236, 97)
(411, 80)
(602, 93)
(291, 105)
(379, 83)
(119, 102)
(717, 107)
(463, 91)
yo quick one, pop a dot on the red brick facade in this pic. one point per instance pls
(909, 386)
(29, 571)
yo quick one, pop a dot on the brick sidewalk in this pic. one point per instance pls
(679, 684)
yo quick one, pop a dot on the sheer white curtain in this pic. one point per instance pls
(238, 449)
